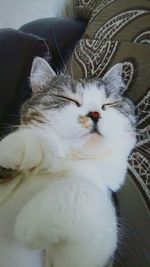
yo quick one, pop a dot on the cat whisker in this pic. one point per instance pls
(138, 68)
(138, 78)
(8, 125)
(139, 158)
(10, 115)
(14, 125)
(145, 146)
(143, 152)
(72, 60)
(56, 43)
(48, 51)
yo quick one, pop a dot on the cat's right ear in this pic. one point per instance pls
(41, 74)
(113, 79)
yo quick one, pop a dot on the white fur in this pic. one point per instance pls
(65, 204)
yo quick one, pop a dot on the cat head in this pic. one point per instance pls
(76, 109)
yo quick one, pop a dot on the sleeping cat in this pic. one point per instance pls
(59, 167)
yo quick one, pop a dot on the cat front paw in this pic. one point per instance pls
(11, 151)
(25, 150)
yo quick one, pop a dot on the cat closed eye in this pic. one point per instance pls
(69, 99)
(114, 104)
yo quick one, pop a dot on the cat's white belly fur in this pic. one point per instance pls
(72, 217)
(67, 209)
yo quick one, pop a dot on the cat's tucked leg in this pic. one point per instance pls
(86, 254)
(73, 218)
(26, 149)
(14, 255)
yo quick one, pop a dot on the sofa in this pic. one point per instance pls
(102, 33)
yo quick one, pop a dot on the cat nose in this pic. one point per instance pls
(94, 115)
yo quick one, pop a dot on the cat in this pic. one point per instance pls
(59, 168)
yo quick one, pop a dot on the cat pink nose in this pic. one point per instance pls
(94, 115)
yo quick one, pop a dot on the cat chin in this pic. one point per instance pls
(89, 148)
(94, 137)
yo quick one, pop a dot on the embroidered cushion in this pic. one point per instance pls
(119, 31)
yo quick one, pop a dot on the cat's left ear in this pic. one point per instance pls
(113, 79)
(41, 74)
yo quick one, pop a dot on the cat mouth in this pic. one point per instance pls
(95, 130)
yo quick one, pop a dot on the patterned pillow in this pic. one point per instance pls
(119, 31)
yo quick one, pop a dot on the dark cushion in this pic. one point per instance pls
(51, 38)
(17, 51)
(61, 34)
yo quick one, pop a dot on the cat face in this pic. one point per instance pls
(77, 110)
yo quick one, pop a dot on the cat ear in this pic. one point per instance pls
(41, 74)
(113, 79)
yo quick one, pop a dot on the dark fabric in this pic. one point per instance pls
(49, 38)
(17, 51)
(60, 33)
(134, 244)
